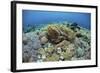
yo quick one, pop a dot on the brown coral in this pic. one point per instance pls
(68, 33)
(58, 33)
(53, 33)
(62, 44)
(43, 40)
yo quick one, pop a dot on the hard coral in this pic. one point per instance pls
(54, 57)
(68, 33)
(57, 33)
(53, 33)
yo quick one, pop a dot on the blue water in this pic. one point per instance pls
(38, 18)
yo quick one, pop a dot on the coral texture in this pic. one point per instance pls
(56, 42)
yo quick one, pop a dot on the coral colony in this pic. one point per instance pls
(56, 42)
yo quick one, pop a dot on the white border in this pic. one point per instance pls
(21, 65)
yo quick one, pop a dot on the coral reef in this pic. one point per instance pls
(56, 42)
(30, 46)
(43, 40)
(57, 33)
